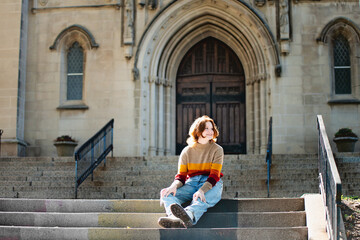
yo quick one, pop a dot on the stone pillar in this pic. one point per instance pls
(160, 121)
(167, 99)
(250, 118)
(263, 115)
(257, 116)
(152, 118)
(13, 76)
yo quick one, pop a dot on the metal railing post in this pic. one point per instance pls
(104, 148)
(92, 160)
(269, 157)
(1, 132)
(112, 136)
(76, 178)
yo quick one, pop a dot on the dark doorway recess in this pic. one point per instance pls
(211, 81)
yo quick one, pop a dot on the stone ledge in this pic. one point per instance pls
(344, 101)
(73, 107)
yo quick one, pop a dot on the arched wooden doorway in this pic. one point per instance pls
(211, 81)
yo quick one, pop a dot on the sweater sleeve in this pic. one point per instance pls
(182, 169)
(215, 170)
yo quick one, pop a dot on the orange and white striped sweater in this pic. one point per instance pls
(201, 159)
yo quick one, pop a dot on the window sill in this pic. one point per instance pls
(73, 107)
(344, 101)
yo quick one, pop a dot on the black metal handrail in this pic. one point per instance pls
(330, 182)
(269, 157)
(1, 132)
(92, 153)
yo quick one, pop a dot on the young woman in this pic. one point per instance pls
(198, 177)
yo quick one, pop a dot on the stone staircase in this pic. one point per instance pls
(144, 177)
(280, 219)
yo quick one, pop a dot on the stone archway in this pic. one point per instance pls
(173, 32)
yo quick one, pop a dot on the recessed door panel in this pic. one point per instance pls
(211, 82)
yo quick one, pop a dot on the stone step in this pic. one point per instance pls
(39, 160)
(125, 177)
(149, 220)
(243, 183)
(143, 206)
(69, 193)
(267, 218)
(44, 233)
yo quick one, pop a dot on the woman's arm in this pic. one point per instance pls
(215, 170)
(180, 177)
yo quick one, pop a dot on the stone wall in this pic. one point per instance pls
(305, 87)
(127, 34)
(108, 85)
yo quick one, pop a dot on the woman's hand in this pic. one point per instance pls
(199, 194)
(167, 191)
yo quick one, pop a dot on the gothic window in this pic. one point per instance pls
(342, 36)
(72, 45)
(342, 65)
(75, 72)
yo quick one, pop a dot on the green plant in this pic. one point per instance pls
(349, 197)
(64, 138)
(345, 132)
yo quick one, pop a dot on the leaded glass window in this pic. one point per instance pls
(75, 67)
(342, 66)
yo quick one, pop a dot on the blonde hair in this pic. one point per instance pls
(198, 127)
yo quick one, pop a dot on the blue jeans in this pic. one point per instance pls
(185, 194)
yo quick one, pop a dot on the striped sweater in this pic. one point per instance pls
(201, 159)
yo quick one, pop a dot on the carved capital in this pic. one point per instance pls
(128, 51)
(135, 72)
(153, 79)
(260, 3)
(152, 4)
(167, 83)
(278, 70)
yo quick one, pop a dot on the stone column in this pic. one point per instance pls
(250, 118)
(160, 116)
(152, 118)
(263, 115)
(167, 99)
(257, 116)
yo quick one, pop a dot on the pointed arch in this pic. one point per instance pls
(171, 34)
(341, 24)
(85, 33)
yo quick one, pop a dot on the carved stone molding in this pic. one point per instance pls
(43, 2)
(135, 72)
(129, 27)
(283, 20)
(260, 3)
(152, 4)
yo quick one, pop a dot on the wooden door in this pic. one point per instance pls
(210, 81)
